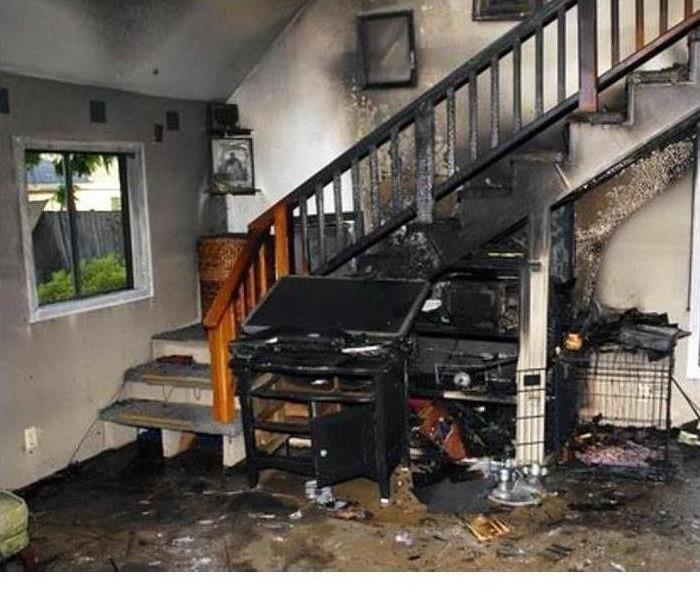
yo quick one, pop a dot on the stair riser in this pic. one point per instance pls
(202, 397)
(197, 350)
(137, 389)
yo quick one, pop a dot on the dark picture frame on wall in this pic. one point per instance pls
(387, 49)
(504, 10)
(232, 165)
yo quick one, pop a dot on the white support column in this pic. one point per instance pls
(233, 449)
(175, 442)
(116, 436)
(532, 357)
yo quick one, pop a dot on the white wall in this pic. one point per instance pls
(56, 374)
(646, 265)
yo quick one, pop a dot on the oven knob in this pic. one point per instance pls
(323, 453)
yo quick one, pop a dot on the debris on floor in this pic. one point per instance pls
(438, 426)
(557, 552)
(351, 512)
(628, 450)
(629, 454)
(404, 538)
(485, 529)
(451, 450)
(456, 497)
(509, 550)
(688, 438)
(630, 329)
(84, 519)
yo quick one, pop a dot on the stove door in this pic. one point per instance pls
(343, 444)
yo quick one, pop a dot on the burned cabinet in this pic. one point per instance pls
(330, 417)
(326, 396)
(343, 444)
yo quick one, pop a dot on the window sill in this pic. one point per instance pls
(73, 307)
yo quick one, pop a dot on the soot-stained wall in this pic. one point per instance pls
(634, 246)
(306, 105)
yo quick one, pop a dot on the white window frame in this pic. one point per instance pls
(138, 223)
(693, 360)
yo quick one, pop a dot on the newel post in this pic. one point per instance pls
(588, 55)
(222, 378)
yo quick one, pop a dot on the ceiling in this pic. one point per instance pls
(194, 49)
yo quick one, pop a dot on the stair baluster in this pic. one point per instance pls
(338, 205)
(396, 166)
(615, 31)
(451, 124)
(425, 163)
(305, 247)
(639, 24)
(474, 116)
(539, 70)
(663, 16)
(588, 56)
(321, 224)
(561, 55)
(281, 214)
(357, 200)
(374, 186)
(517, 87)
(495, 103)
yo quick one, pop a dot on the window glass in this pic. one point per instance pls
(51, 232)
(78, 214)
(102, 238)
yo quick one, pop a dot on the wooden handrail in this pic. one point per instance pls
(249, 280)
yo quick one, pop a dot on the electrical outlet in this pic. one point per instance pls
(31, 439)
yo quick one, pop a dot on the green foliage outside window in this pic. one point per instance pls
(97, 276)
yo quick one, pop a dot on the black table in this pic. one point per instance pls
(319, 395)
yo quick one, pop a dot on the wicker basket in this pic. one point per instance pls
(217, 255)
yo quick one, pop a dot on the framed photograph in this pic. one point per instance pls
(232, 165)
(503, 10)
(387, 49)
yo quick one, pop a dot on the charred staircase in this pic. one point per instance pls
(447, 148)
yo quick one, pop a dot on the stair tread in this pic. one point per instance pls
(675, 74)
(161, 373)
(599, 118)
(546, 156)
(176, 416)
(189, 333)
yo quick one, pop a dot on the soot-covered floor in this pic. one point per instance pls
(131, 510)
